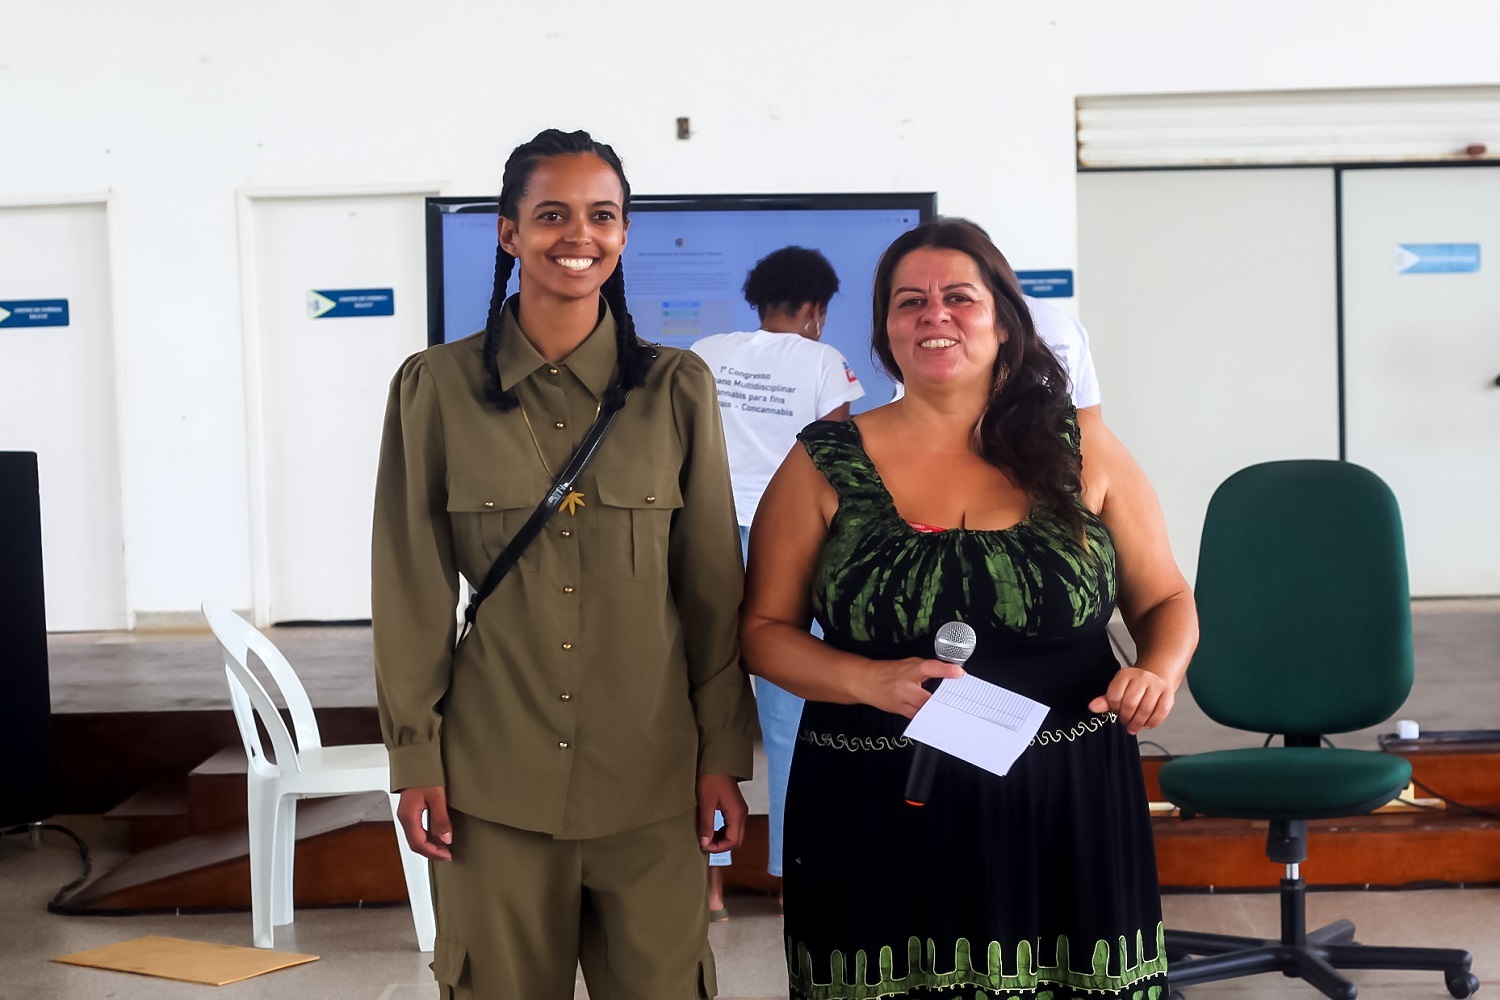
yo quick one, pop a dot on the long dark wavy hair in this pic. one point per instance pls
(1024, 428)
(634, 357)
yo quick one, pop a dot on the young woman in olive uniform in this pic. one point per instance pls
(570, 752)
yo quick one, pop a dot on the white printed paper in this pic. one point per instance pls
(983, 723)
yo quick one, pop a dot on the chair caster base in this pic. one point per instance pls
(1461, 983)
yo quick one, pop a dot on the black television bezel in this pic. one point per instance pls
(925, 203)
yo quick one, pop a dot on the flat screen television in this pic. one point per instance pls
(685, 263)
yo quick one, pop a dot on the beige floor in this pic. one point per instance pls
(369, 954)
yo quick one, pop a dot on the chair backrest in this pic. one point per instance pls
(1302, 600)
(239, 640)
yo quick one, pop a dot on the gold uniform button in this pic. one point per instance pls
(559, 425)
(565, 696)
(551, 371)
(566, 533)
(562, 745)
(567, 590)
(489, 503)
(567, 646)
(651, 499)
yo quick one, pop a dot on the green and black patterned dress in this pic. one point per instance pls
(1040, 884)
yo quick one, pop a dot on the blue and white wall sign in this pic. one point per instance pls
(1437, 258)
(341, 302)
(34, 312)
(1046, 284)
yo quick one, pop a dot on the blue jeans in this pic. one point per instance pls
(780, 713)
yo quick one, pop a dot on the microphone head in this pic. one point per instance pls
(954, 643)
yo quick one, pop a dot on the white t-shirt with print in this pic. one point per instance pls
(771, 385)
(1068, 339)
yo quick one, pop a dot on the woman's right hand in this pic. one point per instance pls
(896, 686)
(432, 840)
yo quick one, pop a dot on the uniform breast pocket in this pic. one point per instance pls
(635, 522)
(487, 509)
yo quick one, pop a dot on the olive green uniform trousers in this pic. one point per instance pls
(518, 911)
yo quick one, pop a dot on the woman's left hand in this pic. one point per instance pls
(1138, 697)
(721, 792)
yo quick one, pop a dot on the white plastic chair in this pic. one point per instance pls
(302, 769)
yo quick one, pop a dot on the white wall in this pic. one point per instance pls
(174, 105)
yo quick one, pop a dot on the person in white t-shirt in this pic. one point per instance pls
(1069, 342)
(772, 383)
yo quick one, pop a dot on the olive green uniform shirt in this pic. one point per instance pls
(602, 675)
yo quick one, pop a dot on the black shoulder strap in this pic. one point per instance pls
(561, 487)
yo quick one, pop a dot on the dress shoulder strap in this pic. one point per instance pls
(837, 450)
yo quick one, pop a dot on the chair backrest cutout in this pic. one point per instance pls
(240, 642)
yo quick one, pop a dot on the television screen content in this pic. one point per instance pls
(686, 258)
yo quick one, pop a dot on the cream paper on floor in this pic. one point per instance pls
(185, 961)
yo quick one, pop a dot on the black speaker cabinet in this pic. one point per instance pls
(26, 789)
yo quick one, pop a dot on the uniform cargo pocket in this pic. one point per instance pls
(450, 966)
(635, 522)
(487, 509)
(708, 979)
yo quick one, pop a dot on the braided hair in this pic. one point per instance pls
(634, 357)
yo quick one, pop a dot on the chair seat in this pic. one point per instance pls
(353, 756)
(1284, 782)
(339, 770)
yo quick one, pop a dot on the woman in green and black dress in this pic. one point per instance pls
(983, 497)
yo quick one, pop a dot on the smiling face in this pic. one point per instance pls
(941, 320)
(569, 227)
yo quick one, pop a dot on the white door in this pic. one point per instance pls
(1211, 304)
(59, 401)
(1422, 356)
(322, 388)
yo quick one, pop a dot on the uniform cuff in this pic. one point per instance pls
(416, 765)
(726, 753)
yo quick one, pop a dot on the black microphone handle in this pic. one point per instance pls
(955, 643)
(919, 779)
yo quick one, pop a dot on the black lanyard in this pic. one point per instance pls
(561, 487)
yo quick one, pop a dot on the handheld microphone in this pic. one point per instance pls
(954, 644)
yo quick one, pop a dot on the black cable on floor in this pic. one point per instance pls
(56, 904)
(1455, 804)
(1152, 743)
(1451, 803)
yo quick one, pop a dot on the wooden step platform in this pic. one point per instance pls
(103, 758)
(190, 845)
(1388, 850)
(156, 815)
(1405, 850)
(1421, 847)
(346, 854)
(192, 849)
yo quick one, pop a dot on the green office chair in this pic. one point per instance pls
(1306, 622)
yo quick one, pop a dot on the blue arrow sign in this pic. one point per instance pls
(1437, 258)
(1046, 284)
(34, 312)
(341, 302)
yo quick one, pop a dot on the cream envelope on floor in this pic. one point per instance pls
(186, 961)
